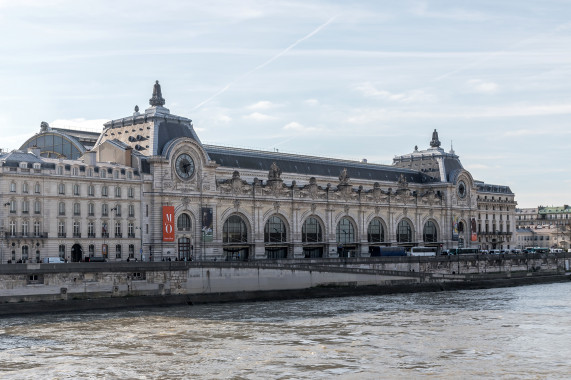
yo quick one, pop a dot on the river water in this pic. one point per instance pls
(509, 333)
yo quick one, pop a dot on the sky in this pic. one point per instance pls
(350, 80)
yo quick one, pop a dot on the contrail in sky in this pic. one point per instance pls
(225, 88)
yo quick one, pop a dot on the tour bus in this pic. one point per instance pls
(468, 251)
(423, 251)
(536, 250)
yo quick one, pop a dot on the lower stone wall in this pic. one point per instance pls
(103, 284)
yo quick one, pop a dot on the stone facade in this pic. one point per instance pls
(235, 204)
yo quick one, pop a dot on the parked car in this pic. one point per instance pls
(53, 260)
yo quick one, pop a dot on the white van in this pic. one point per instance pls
(495, 252)
(53, 260)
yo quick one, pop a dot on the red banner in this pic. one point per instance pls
(168, 223)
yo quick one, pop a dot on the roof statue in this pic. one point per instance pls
(435, 143)
(274, 172)
(44, 126)
(343, 177)
(157, 99)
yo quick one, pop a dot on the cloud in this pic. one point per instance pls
(421, 10)
(369, 90)
(476, 166)
(262, 105)
(81, 124)
(223, 118)
(257, 116)
(312, 102)
(294, 126)
(480, 86)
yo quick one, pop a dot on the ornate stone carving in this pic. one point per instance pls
(343, 177)
(313, 208)
(405, 211)
(274, 173)
(235, 186)
(157, 99)
(377, 210)
(236, 204)
(185, 202)
(277, 206)
(312, 190)
(402, 183)
(435, 143)
(346, 209)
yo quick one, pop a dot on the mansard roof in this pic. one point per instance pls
(497, 189)
(247, 159)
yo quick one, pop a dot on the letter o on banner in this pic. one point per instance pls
(168, 223)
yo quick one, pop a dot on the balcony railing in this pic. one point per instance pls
(131, 235)
(90, 235)
(61, 234)
(77, 235)
(118, 234)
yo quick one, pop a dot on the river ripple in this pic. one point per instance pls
(509, 333)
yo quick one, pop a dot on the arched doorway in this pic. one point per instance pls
(235, 239)
(375, 236)
(404, 234)
(346, 244)
(184, 249)
(76, 253)
(312, 238)
(275, 238)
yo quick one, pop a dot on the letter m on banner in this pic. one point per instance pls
(168, 223)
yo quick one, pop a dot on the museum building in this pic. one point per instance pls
(146, 188)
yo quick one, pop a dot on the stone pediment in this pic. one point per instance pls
(377, 194)
(344, 192)
(276, 188)
(236, 185)
(312, 190)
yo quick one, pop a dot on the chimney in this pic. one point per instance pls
(90, 157)
(35, 151)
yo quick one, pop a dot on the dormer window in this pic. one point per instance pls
(59, 170)
(23, 165)
(37, 165)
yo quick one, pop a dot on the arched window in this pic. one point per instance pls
(429, 234)
(275, 230)
(404, 232)
(234, 230)
(104, 190)
(91, 209)
(61, 208)
(311, 231)
(76, 209)
(375, 232)
(25, 252)
(345, 231)
(37, 188)
(25, 187)
(75, 188)
(183, 222)
(117, 191)
(61, 189)
(91, 190)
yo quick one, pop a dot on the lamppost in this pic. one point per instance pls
(141, 237)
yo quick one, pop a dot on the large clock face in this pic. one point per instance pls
(184, 166)
(462, 189)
